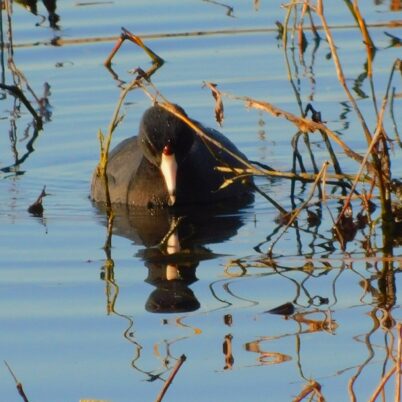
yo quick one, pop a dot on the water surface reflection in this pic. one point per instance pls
(175, 241)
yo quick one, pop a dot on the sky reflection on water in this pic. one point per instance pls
(76, 326)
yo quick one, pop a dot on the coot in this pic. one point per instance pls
(168, 164)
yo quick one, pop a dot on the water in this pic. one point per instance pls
(67, 334)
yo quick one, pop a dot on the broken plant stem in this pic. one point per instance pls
(126, 34)
(172, 375)
(17, 383)
(391, 111)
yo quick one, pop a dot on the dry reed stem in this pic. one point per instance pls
(295, 213)
(249, 168)
(339, 70)
(105, 143)
(17, 383)
(303, 177)
(115, 120)
(306, 7)
(116, 117)
(373, 143)
(301, 37)
(379, 132)
(284, 43)
(172, 375)
(370, 47)
(391, 111)
(60, 41)
(381, 159)
(285, 31)
(170, 107)
(303, 124)
(135, 39)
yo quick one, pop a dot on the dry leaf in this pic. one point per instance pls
(219, 116)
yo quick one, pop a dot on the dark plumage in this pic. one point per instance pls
(166, 143)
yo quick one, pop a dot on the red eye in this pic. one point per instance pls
(168, 149)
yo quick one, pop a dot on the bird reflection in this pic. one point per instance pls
(174, 243)
(32, 6)
(171, 280)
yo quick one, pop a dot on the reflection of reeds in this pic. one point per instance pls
(18, 89)
(229, 9)
(377, 143)
(374, 169)
(112, 288)
(376, 162)
(312, 389)
(375, 165)
(395, 370)
(18, 76)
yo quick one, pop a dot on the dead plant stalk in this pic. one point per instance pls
(339, 70)
(294, 214)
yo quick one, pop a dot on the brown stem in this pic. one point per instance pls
(176, 368)
(381, 385)
(17, 384)
(339, 70)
